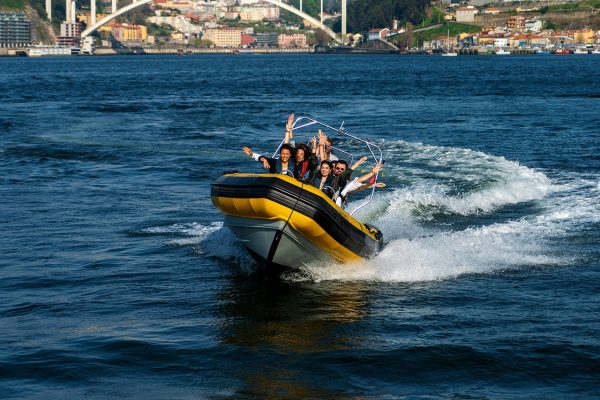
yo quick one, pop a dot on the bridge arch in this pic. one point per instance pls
(277, 3)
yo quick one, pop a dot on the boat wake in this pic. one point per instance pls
(452, 212)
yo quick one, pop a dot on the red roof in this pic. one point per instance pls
(247, 39)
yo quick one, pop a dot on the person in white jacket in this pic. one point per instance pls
(358, 184)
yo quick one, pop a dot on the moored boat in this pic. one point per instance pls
(286, 223)
(562, 51)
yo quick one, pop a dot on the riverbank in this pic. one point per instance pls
(472, 51)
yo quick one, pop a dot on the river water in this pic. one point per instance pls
(118, 279)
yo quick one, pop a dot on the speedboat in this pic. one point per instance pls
(287, 224)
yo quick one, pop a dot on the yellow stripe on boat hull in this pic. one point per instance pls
(265, 209)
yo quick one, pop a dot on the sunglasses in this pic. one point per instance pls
(340, 169)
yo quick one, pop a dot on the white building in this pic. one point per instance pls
(179, 22)
(533, 25)
(259, 12)
(466, 14)
(501, 42)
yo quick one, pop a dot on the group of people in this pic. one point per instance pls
(316, 165)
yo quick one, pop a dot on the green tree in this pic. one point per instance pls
(366, 14)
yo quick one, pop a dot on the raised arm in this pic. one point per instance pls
(256, 156)
(289, 133)
(368, 175)
(321, 147)
(359, 163)
(357, 183)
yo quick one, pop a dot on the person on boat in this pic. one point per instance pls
(324, 149)
(305, 158)
(323, 178)
(281, 165)
(342, 174)
(305, 163)
(358, 184)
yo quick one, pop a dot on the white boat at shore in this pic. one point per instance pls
(40, 51)
(502, 52)
(580, 51)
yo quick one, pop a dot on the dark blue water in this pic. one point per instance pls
(119, 281)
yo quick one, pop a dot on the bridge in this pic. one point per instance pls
(94, 25)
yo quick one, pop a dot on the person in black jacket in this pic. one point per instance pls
(323, 178)
(281, 165)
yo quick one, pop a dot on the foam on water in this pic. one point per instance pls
(223, 244)
(193, 233)
(419, 250)
(449, 254)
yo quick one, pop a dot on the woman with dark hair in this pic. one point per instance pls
(305, 158)
(324, 178)
(305, 163)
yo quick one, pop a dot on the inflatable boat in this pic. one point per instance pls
(286, 223)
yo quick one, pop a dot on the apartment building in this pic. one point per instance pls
(15, 29)
(224, 37)
(130, 33)
(291, 40)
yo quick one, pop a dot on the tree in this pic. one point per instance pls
(366, 14)
(321, 37)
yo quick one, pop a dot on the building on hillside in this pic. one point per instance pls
(181, 5)
(586, 36)
(231, 15)
(490, 10)
(183, 23)
(130, 33)
(178, 37)
(70, 30)
(259, 12)
(560, 38)
(86, 18)
(265, 40)
(487, 39)
(15, 29)
(70, 34)
(533, 24)
(207, 9)
(538, 41)
(355, 38)
(516, 23)
(291, 40)
(224, 37)
(378, 33)
(501, 42)
(466, 14)
(518, 40)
